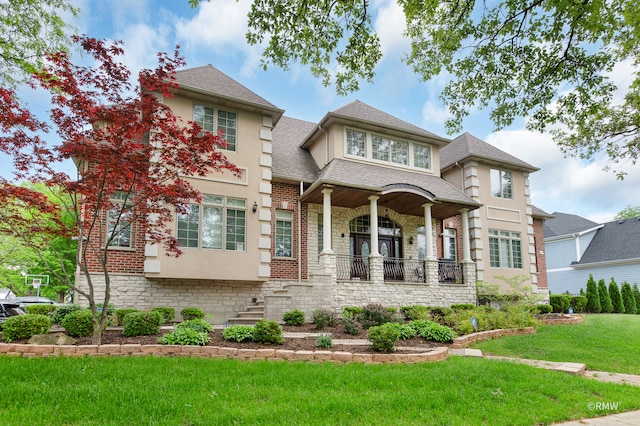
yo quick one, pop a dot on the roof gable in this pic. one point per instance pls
(565, 224)
(468, 146)
(289, 160)
(616, 240)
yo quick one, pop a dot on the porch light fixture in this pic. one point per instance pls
(411, 240)
(255, 207)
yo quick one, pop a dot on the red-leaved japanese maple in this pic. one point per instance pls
(131, 151)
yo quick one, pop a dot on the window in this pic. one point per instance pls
(320, 232)
(449, 248)
(382, 148)
(219, 222)
(284, 233)
(501, 184)
(119, 221)
(505, 249)
(356, 142)
(212, 120)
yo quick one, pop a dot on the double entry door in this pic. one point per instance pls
(389, 247)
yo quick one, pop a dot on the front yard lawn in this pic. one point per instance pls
(195, 391)
(604, 342)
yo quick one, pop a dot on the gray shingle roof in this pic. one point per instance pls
(290, 161)
(617, 240)
(468, 146)
(210, 79)
(352, 173)
(564, 224)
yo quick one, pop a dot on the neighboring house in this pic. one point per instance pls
(577, 247)
(343, 212)
(506, 232)
(6, 293)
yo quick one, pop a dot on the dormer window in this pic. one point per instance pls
(379, 148)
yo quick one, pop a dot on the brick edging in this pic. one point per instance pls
(34, 351)
(466, 340)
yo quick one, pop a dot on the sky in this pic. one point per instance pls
(214, 33)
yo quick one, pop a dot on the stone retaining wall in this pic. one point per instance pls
(464, 341)
(33, 351)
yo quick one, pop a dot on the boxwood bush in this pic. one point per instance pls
(142, 323)
(383, 337)
(268, 332)
(62, 311)
(294, 317)
(78, 323)
(191, 313)
(168, 314)
(40, 309)
(579, 303)
(560, 303)
(121, 313)
(25, 326)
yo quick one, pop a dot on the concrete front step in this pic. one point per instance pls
(244, 320)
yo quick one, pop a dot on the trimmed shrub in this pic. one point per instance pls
(628, 300)
(544, 308)
(560, 303)
(122, 313)
(185, 336)
(142, 323)
(374, 315)
(268, 332)
(616, 297)
(40, 309)
(323, 318)
(383, 337)
(415, 312)
(25, 326)
(351, 311)
(324, 340)
(62, 311)
(168, 314)
(593, 297)
(605, 299)
(433, 331)
(462, 307)
(294, 317)
(238, 333)
(579, 303)
(78, 323)
(198, 324)
(351, 326)
(191, 313)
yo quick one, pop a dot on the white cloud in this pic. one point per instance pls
(390, 25)
(569, 185)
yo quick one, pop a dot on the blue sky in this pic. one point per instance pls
(214, 34)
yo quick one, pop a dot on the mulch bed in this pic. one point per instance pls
(295, 344)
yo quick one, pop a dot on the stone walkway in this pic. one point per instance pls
(630, 418)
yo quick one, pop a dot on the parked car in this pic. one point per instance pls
(9, 309)
(23, 301)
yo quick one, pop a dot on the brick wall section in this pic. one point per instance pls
(454, 222)
(541, 259)
(120, 260)
(285, 197)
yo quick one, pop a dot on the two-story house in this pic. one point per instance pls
(507, 237)
(343, 212)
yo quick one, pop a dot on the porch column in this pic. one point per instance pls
(466, 249)
(374, 224)
(428, 230)
(326, 220)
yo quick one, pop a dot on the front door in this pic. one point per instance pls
(389, 247)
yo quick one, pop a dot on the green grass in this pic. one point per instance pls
(194, 391)
(604, 342)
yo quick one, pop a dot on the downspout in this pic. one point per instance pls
(300, 234)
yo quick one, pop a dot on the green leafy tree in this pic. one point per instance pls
(628, 212)
(636, 296)
(593, 297)
(628, 299)
(616, 297)
(28, 30)
(547, 61)
(605, 300)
